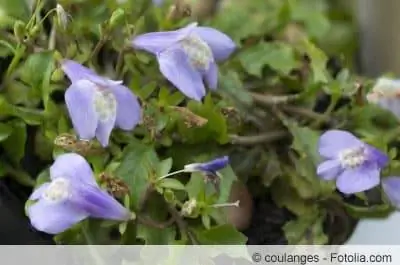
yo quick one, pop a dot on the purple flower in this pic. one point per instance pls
(386, 94)
(188, 55)
(210, 167)
(354, 164)
(71, 196)
(96, 104)
(158, 2)
(391, 187)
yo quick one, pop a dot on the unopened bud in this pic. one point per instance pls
(189, 208)
(19, 30)
(34, 31)
(58, 57)
(57, 75)
(179, 10)
(169, 196)
(62, 16)
(117, 18)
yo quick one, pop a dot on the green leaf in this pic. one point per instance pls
(156, 211)
(137, 167)
(312, 14)
(170, 183)
(318, 61)
(5, 131)
(12, 10)
(286, 196)
(305, 143)
(373, 211)
(196, 185)
(215, 129)
(231, 85)
(14, 145)
(228, 176)
(278, 56)
(221, 235)
(146, 90)
(306, 230)
(164, 167)
(41, 62)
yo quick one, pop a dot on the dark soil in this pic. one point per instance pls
(267, 222)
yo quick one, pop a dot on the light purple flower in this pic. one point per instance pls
(158, 2)
(354, 164)
(188, 56)
(210, 167)
(391, 187)
(386, 94)
(97, 104)
(71, 196)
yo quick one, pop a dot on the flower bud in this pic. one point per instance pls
(19, 30)
(62, 17)
(117, 18)
(169, 196)
(189, 208)
(34, 32)
(57, 75)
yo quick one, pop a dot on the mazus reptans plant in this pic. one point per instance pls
(188, 56)
(97, 104)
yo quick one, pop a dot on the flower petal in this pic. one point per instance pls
(37, 193)
(175, 66)
(129, 112)
(211, 76)
(54, 218)
(79, 99)
(377, 156)
(99, 204)
(390, 104)
(73, 167)
(156, 42)
(104, 130)
(391, 187)
(221, 44)
(210, 167)
(358, 179)
(77, 72)
(333, 141)
(329, 169)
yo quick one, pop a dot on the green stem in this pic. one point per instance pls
(120, 62)
(7, 45)
(257, 139)
(19, 52)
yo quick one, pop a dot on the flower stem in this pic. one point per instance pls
(182, 225)
(269, 100)
(171, 174)
(19, 52)
(152, 223)
(257, 139)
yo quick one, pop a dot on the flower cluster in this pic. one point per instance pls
(186, 56)
(97, 105)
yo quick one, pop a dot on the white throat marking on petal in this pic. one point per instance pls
(57, 191)
(353, 157)
(105, 104)
(198, 51)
